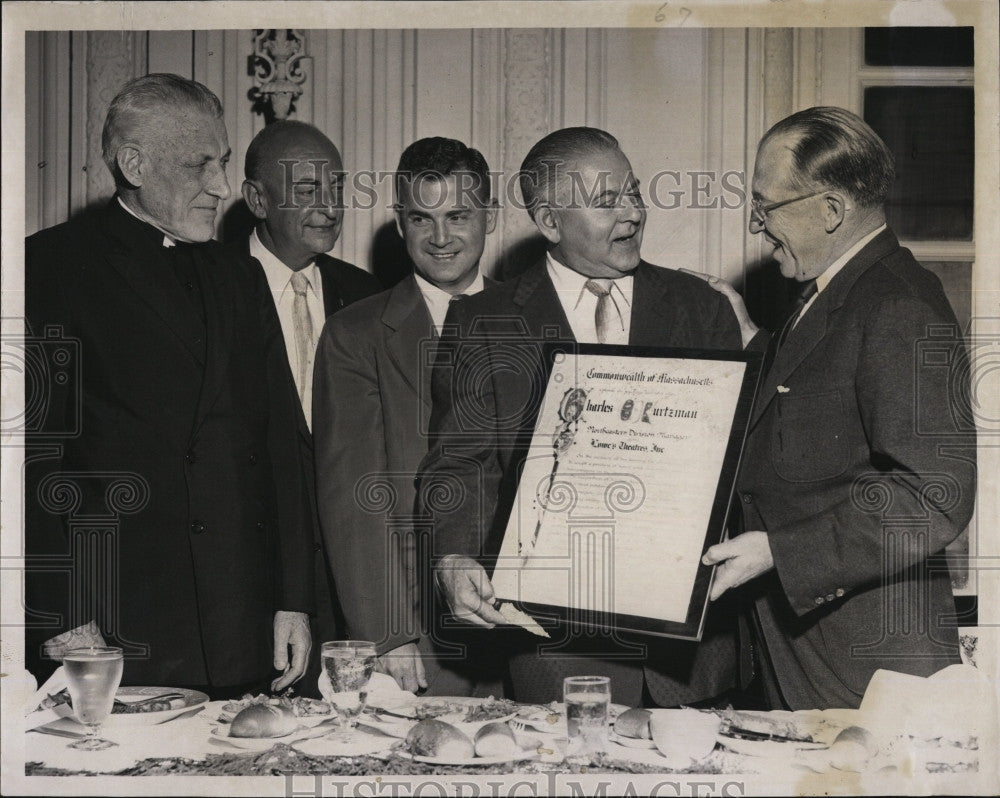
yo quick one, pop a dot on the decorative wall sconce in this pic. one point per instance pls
(279, 66)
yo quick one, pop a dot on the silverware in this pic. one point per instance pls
(379, 711)
(758, 736)
(151, 699)
(59, 732)
(189, 714)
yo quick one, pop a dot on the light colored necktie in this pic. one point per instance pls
(302, 324)
(607, 318)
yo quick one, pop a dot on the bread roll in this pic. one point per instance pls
(634, 723)
(263, 720)
(432, 737)
(496, 739)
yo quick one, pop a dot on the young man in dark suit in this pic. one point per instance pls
(372, 401)
(293, 185)
(185, 455)
(592, 287)
(860, 464)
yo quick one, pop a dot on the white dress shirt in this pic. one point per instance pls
(279, 280)
(437, 300)
(831, 271)
(580, 304)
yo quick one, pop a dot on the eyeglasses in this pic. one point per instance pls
(759, 211)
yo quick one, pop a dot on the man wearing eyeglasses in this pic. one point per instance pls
(859, 466)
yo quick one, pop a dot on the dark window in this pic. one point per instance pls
(925, 47)
(930, 132)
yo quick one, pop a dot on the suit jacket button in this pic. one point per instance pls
(317, 548)
(197, 527)
(253, 459)
(748, 498)
(840, 592)
(260, 525)
(819, 599)
(191, 456)
(830, 597)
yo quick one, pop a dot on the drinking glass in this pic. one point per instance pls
(93, 675)
(348, 667)
(587, 699)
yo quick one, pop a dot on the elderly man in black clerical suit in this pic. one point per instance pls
(860, 464)
(592, 287)
(294, 187)
(205, 578)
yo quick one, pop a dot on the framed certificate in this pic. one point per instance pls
(627, 480)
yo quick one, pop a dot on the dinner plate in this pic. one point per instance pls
(259, 743)
(225, 718)
(767, 748)
(355, 742)
(503, 759)
(192, 700)
(631, 742)
(453, 709)
(538, 717)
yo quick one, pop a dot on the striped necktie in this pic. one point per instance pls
(607, 318)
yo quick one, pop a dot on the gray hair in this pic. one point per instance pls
(551, 158)
(835, 148)
(132, 109)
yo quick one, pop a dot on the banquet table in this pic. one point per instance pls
(187, 746)
(907, 746)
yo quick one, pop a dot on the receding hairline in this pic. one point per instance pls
(281, 139)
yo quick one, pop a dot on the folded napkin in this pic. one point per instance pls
(956, 703)
(381, 687)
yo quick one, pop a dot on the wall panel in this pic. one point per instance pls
(375, 91)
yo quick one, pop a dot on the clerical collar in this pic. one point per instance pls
(167, 240)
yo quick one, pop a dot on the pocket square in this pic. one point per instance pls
(783, 389)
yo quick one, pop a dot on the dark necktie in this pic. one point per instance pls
(806, 292)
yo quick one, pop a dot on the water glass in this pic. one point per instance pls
(93, 675)
(347, 668)
(587, 699)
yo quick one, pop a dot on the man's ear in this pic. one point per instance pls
(491, 217)
(547, 223)
(131, 163)
(397, 212)
(834, 208)
(253, 196)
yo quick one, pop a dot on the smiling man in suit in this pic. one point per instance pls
(293, 185)
(187, 428)
(860, 460)
(372, 403)
(592, 287)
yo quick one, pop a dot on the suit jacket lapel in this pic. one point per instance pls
(650, 325)
(539, 302)
(410, 327)
(812, 327)
(142, 264)
(333, 296)
(300, 416)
